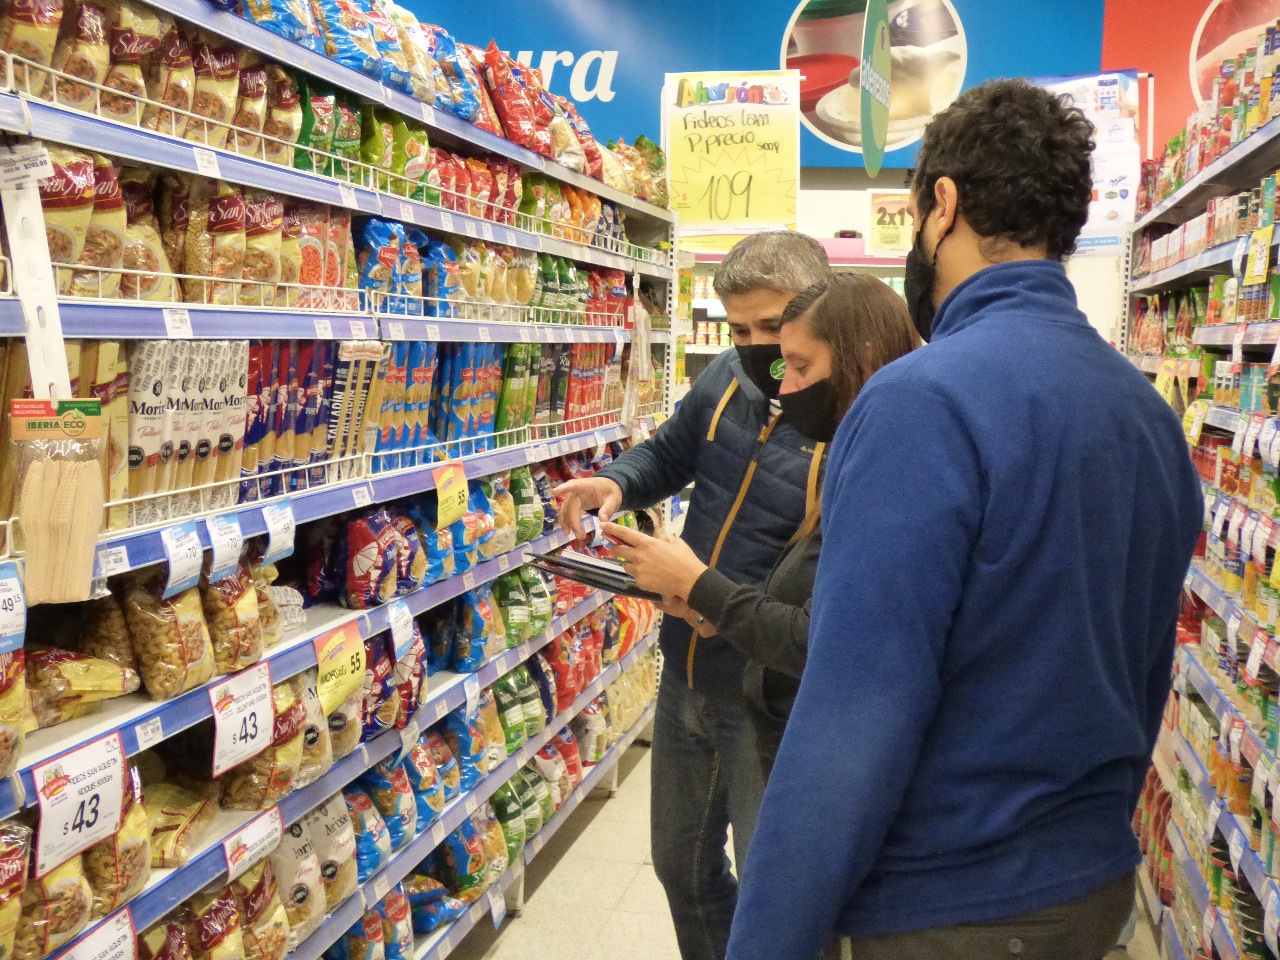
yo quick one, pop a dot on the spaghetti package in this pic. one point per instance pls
(268, 777)
(231, 612)
(373, 842)
(55, 908)
(217, 68)
(329, 829)
(180, 820)
(118, 867)
(387, 784)
(83, 51)
(216, 931)
(297, 871)
(263, 920)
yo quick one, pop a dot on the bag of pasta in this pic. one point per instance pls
(118, 867)
(215, 241)
(67, 198)
(179, 820)
(388, 786)
(329, 828)
(267, 778)
(424, 780)
(15, 713)
(263, 922)
(373, 842)
(135, 35)
(231, 612)
(55, 908)
(215, 931)
(217, 70)
(166, 940)
(106, 634)
(345, 725)
(268, 614)
(363, 941)
(494, 841)
(317, 747)
(297, 870)
(30, 31)
(171, 82)
(170, 638)
(54, 675)
(397, 925)
(103, 253)
(143, 247)
(15, 842)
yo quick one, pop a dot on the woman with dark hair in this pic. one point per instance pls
(835, 335)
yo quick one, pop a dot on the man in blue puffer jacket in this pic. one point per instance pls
(754, 478)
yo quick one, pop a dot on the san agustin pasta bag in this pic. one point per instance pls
(143, 248)
(217, 68)
(180, 821)
(171, 82)
(266, 778)
(135, 35)
(30, 31)
(264, 923)
(83, 51)
(165, 940)
(118, 867)
(67, 198)
(55, 908)
(215, 243)
(214, 926)
(15, 843)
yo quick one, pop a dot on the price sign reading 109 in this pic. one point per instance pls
(728, 196)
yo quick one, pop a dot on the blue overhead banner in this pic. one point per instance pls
(611, 55)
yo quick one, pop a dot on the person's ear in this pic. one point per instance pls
(946, 202)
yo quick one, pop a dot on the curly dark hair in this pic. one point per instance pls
(1020, 158)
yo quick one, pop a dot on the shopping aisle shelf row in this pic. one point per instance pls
(166, 888)
(1241, 166)
(1265, 333)
(443, 942)
(710, 349)
(133, 549)
(48, 121)
(142, 722)
(1193, 270)
(1200, 894)
(403, 862)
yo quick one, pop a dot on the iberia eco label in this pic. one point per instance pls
(81, 800)
(340, 665)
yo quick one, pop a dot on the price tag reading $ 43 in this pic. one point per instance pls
(243, 717)
(81, 799)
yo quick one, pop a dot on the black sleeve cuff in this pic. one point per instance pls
(711, 594)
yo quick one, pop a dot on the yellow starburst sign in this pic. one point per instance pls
(733, 154)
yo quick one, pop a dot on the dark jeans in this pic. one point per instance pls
(706, 775)
(1084, 929)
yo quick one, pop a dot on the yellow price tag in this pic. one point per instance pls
(451, 493)
(1193, 421)
(340, 659)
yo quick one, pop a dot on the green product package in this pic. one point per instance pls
(535, 716)
(347, 132)
(319, 121)
(515, 383)
(541, 604)
(568, 290)
(549, 274)
(542, 791)
(410, 155)
(514, 606)
(506, 805)
(531, 385)
(377, 143)
(510, 712)
(533, 818)
(533, 202)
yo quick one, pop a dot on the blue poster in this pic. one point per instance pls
(611, 55)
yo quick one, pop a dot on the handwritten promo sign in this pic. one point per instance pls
(733, 154)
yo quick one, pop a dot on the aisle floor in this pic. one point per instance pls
(592, 894)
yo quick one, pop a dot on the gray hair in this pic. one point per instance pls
(779, 260)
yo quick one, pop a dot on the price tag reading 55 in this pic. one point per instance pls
(340, 665)
(81, 796)
(451, 493)
(243, 717)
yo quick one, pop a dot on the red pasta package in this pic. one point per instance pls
(381, 703)
(567, 746)
(445, 169)
(471, 60)
(510, 98)
(373, 556)
(481, 186)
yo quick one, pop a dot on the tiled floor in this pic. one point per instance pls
(592, 894)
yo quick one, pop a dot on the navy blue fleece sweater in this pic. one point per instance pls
(1008, 515)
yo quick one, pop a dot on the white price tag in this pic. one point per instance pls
(177, 323)
(207, 162)
(497, 907)
(433, 332)
(395, 330)
(428, 114)
(13, 608)
(401, 628)
(148, 733)
(1234, 620)
(280, 530)
(471, 686)
(470, 228)
(504, 563)
(362, 495)
(324, 329)
(1236, 848)
(524, 334)
(381, 887)
(255, 840)
(25, 163)
(437, 835)
(469, 580)
(243, 717)
(81, 799)
(112, 560)
(601, 442)
(358, 331)
(1261, 774)
(227, 542)
(1234, 740)
(347, 194)
(446, 222)
(112, 939)
(1271, 919)
(439, 709)
(510, 237)
(406, 211)
(1256, 652)
(185, 555)
(409, 737)
(1211, 821)
(486, 231)
(483, 334)
(472, 804)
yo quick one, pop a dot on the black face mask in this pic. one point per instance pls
(918, 286)
(763, 363)
(813, 411)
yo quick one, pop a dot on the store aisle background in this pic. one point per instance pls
(591, 894)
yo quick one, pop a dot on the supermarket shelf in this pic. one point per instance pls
(1147, 364)
(499, 332)
(1221, 334)
(709, 349)
(1155, 909)
(258, 38)
(146, 547)
(131, 716)
(444, 941)
(168, 887)
(1200, 893)
(1226, 418)
(1193, 270)
(1173, 949)
(1241, 166)
(52, 122)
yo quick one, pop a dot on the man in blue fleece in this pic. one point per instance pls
(1008, 515)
